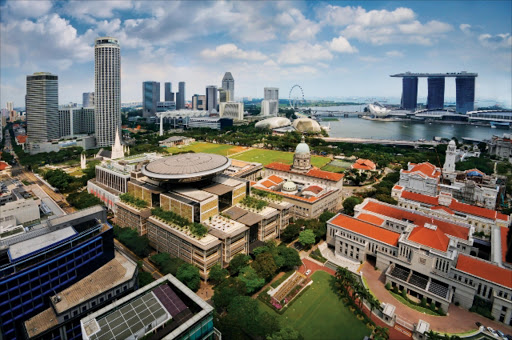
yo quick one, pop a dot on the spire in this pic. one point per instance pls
(117, 149)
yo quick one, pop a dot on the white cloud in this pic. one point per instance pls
(370, 59)
(503, 40)
(394, 54)
(26, 9)
(300, 27)
(340, 44)
(343, 16)
(430, 28)
(87, 10)
(303, 52)
(231, 51)
(466, 28)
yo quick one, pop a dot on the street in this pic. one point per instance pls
(146, 265)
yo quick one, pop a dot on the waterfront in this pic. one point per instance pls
(408, 130)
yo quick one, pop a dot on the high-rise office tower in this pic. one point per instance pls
(211, 98)
(435, 98)
(198, 102)
(168, 94)
(88, 99)
(42, 106)
(180, 96)
(224, 96)
(271, 93)
(107, 94)
(10, 106)
(409, 93)
(150, 98)
(228, 84)
(465, 94)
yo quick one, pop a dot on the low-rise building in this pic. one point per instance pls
(364, 165)
(130, 216)
(175, 141)
(251, 171)
(164, 309)
(216, 123)
(233, 110)
(501, 147)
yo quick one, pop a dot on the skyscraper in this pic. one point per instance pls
(228, 84)
(224, 96)
(180, 96)
(409, 93)
(42, 106)
(435, 98)
(150, 98)
(211, 98)
(88, 99)
(271, 93)
(465, 94)
(168, 94)
(107, 94)
(198, 102)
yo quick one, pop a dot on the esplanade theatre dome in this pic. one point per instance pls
(186, 167)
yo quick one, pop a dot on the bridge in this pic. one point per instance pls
(379, 141)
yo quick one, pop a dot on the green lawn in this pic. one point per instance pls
(219, 149)
(333, 168)
(268, 156)
(319, 314)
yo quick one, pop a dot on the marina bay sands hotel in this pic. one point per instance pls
(464, 85)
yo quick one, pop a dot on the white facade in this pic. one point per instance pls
(232, 110)
(107, 94)
(271, 93)
(269, 107)
(42, 105)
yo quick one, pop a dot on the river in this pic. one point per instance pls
(362, 128)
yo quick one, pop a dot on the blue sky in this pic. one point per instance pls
(332, 49)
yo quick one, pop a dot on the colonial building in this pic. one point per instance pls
(501, 147)
(431, 258)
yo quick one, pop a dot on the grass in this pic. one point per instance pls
(268, 156)
(319, 314)
(333, 168)
(282, 278)
(219, 149)
(411, 305)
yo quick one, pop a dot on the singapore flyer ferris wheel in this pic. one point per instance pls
(296, 97)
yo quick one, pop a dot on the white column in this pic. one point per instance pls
(161, 125)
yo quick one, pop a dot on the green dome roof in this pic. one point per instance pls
(302, 147)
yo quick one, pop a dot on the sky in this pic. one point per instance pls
(331, 49)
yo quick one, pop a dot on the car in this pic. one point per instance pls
(490, 330)
(308, 271)
(500, 334)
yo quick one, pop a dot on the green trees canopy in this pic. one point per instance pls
(217, 274)
(238, 262)
(290, 233)
(252, 281)
(130, 238)
(307, 237)
(83, 199)
(167, 264)
(350, 203)
(264, 265)
(226, 291)
(189, 275)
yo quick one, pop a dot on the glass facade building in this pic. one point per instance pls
(409, 93)
(168, 94)
(465, 96)
(150, 98)
(52, 260)
(180, 96)
(211, 98)
(435, 98)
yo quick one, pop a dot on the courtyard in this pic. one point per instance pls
(319, 314)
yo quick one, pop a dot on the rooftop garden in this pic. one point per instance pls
(132, 200)
(254, 203)
(196, 229)
(267, 195)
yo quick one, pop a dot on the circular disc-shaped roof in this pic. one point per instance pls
(186, 165)
(289, 186)
(302, 148)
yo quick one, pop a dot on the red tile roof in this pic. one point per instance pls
(420, 220)
(21, 138)
(364, 164)
(503, 232)
(370, 218)
(366, 229)
(398, 187)
(485, 270)
(330, 176)
(267, 184)
(420, 198)
(435, 239)
(424, 169)
(314, 188)
(3, 165)
(275, 179)
(455, 206)
(309, 200)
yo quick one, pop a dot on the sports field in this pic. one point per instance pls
(268, 156)
(219, 149)
(319, 314)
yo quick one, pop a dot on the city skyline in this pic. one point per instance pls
(331, 49)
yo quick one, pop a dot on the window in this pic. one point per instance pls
(75, 313)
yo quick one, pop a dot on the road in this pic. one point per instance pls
(146, 265)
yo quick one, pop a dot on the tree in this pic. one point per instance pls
(131, 239)
(380, 333)
(166, 263)
(252, 281)
(350, 203)
(290, 233)
(189, 275)
(217, 274)
(290, 256)
(83, 199)
(326, 216)
(227, 291)
(250, 319)
(286, 333)
(265, 266)
(238, 262)
(307, 238)
(145, 278)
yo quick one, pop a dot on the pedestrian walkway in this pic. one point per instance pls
(458, 320)
(353, 266)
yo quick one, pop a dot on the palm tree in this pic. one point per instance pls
(380, 333)
(374, 303)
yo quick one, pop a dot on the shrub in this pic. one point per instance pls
(433, 306)
(457, 303)
(424, 302)
(388, 286)
(404, 293)
(395, 289)
(132, 200)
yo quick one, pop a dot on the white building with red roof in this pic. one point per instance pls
(422, 178)
(364, 165)
(423, 254)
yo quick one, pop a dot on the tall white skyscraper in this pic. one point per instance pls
(42, 106)
(271, 93)
(10, 106)
(88, 99)
(228, 84)
(107, 94)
